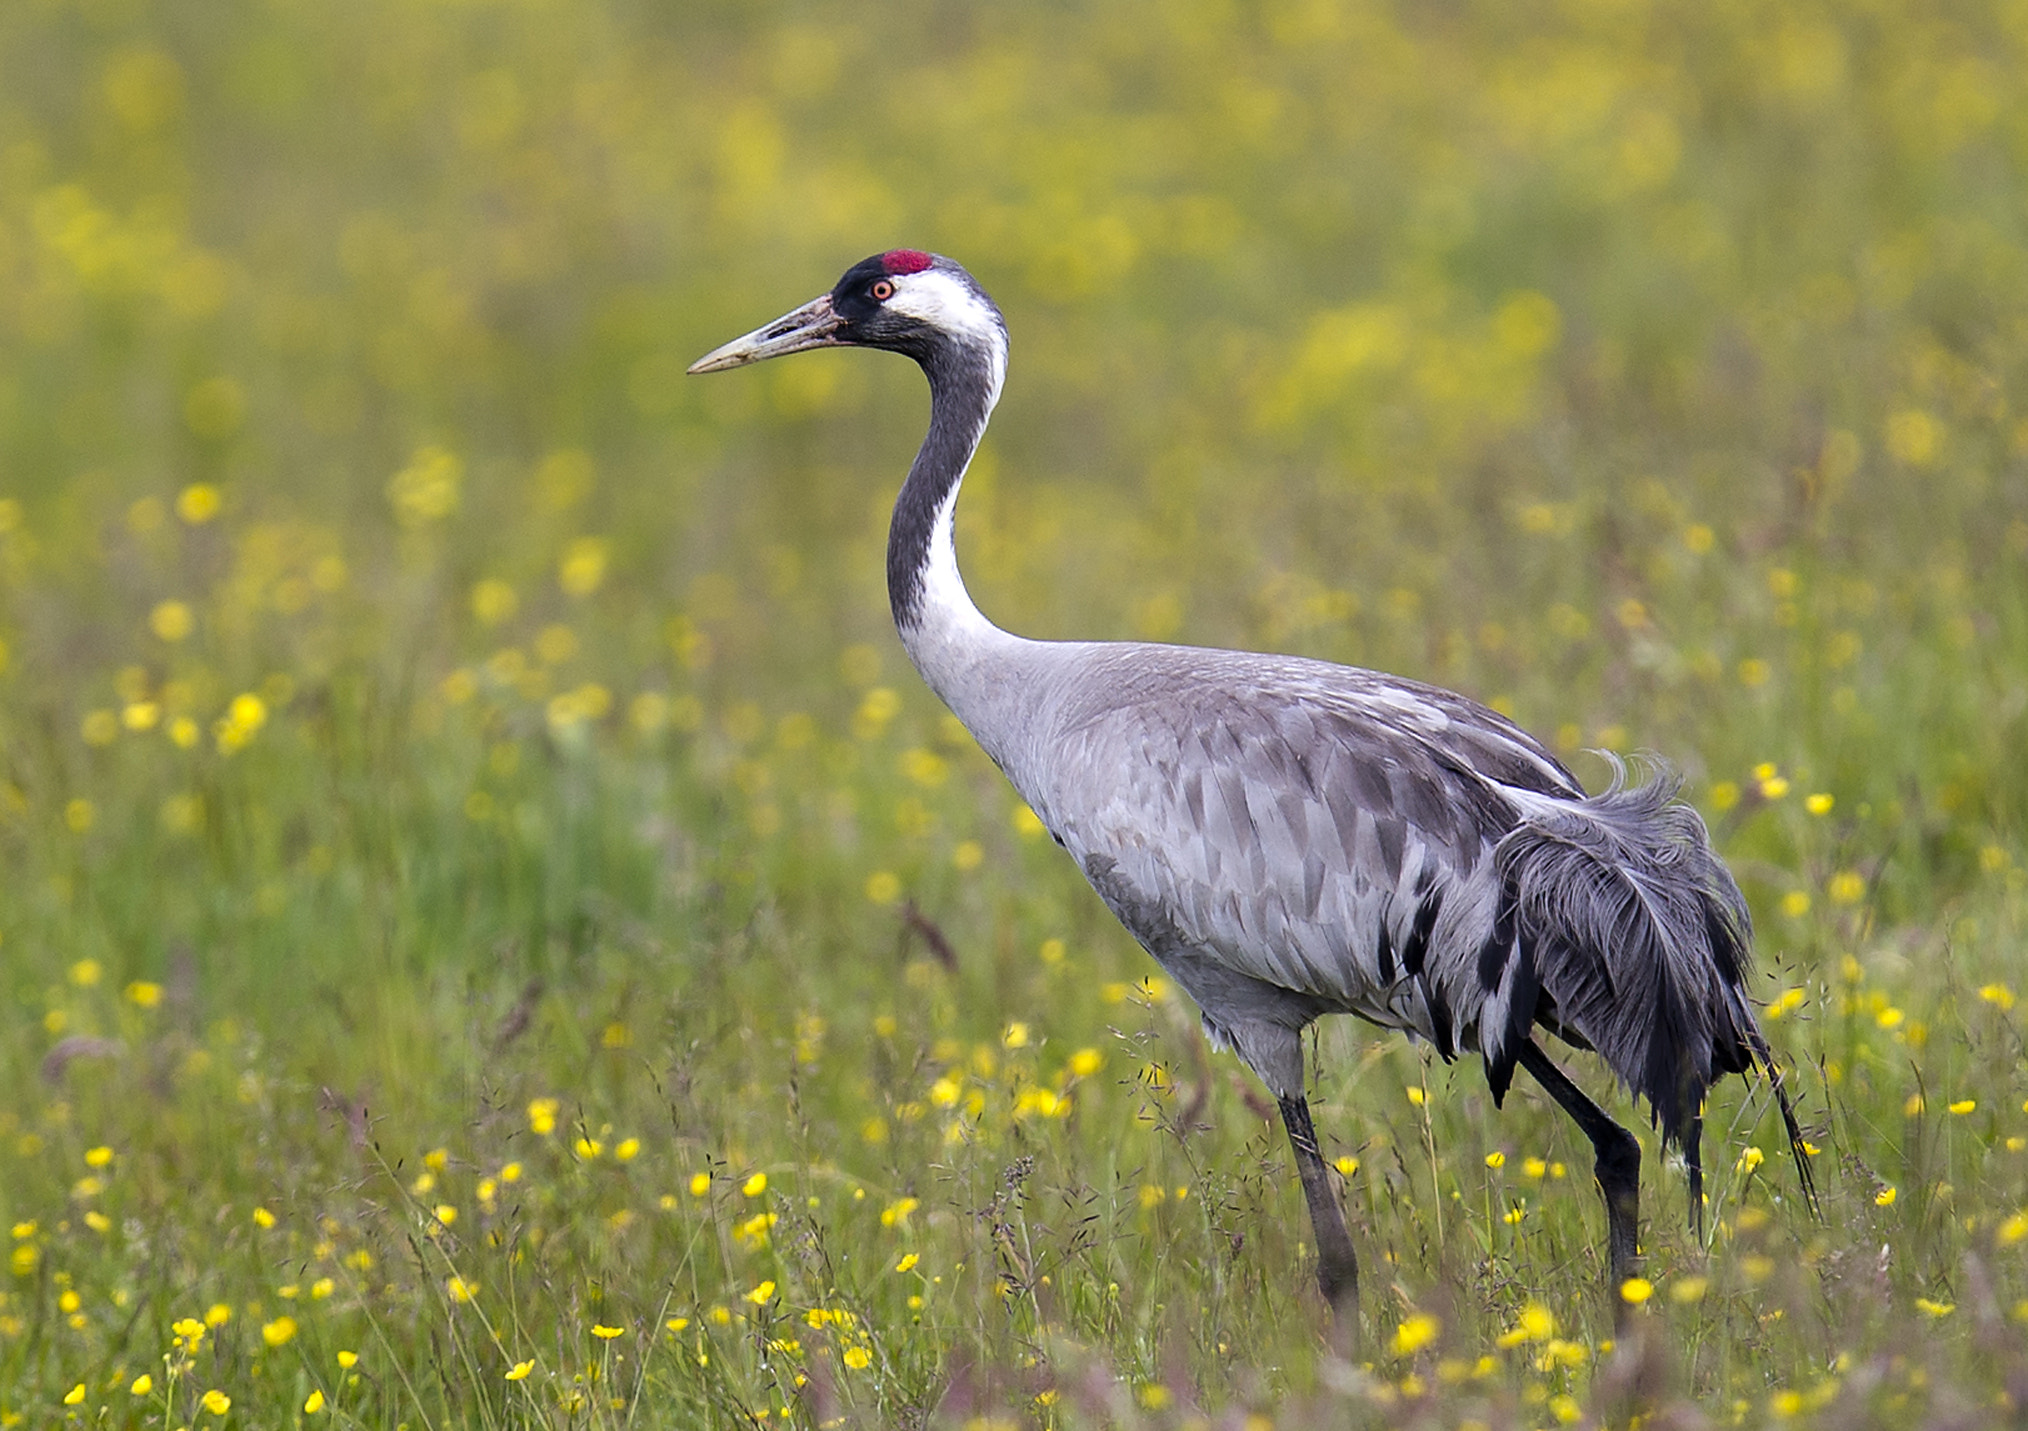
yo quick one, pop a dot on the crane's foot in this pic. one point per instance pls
(1337, 1263)
(1618, 1169)
(1339, 1282)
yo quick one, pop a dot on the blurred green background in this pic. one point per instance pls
(417, 698)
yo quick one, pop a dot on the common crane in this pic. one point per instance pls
(1290, 838)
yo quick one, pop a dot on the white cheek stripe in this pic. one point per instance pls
(943, 302)
(940, 300)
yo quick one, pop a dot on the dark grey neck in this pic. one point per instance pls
(961, 383)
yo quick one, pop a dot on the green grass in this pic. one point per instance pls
(437, 739)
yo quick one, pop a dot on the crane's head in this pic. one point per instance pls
(904, 300)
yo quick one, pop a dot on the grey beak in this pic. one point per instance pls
(811, 326)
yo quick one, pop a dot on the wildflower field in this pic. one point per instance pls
(495, 935)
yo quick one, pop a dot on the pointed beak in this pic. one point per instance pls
(814, 325)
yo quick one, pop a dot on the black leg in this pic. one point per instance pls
(1618, 1167)
(1337, 1264)
(1693, 1158)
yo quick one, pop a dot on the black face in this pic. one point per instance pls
(861, 292)
(861, 300)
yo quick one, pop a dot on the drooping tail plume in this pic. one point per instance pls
(1640, 942)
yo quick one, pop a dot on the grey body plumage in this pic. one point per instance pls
(1290, 838)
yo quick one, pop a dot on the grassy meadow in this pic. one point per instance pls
(495, 935)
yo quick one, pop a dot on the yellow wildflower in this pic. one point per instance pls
(583, 567)
(427, 489)
(1536, 1323)
(883, 887)
(198, 503)
(1417, 1331)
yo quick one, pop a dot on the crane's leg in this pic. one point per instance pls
(1618, 1167)
(1337, 1263)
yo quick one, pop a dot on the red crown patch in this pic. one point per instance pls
(905, 260)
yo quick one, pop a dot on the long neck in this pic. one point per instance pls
(924, 590)
(970, 663)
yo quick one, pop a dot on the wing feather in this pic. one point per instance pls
(1304, 827)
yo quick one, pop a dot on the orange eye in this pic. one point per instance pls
(883, 290)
